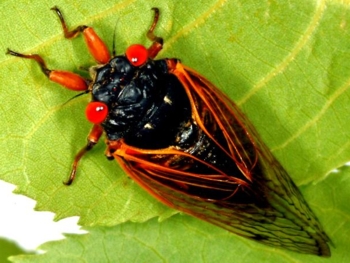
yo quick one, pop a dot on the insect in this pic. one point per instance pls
(187, 144)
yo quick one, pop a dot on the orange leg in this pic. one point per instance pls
(92, 139)
(65, 78)
(97, 48)
(157, 44)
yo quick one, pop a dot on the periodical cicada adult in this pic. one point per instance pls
(187, 144)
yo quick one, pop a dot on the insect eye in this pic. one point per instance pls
(136, 54)
(96, 112)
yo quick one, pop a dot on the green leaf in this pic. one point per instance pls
(286, 65)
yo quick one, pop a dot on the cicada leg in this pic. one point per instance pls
(157, 44)
(92, 139)
(65, 78)
(97, 48)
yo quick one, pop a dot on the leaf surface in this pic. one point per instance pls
(285, 64)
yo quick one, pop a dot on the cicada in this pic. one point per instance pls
(187, 144)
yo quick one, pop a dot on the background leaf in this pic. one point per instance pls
(286, 65)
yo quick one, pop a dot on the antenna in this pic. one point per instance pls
(76, 96)
(113, 43)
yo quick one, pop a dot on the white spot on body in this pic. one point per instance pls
(167, 100)
(148, 126)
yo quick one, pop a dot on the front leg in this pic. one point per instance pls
(67, 79)
(96, 46)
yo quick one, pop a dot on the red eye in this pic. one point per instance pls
(137, 54)
(96, 112)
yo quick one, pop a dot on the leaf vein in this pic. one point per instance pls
(294, 52)
(197, 22)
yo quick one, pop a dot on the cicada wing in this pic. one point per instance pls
(272, 225)
(279, 190)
